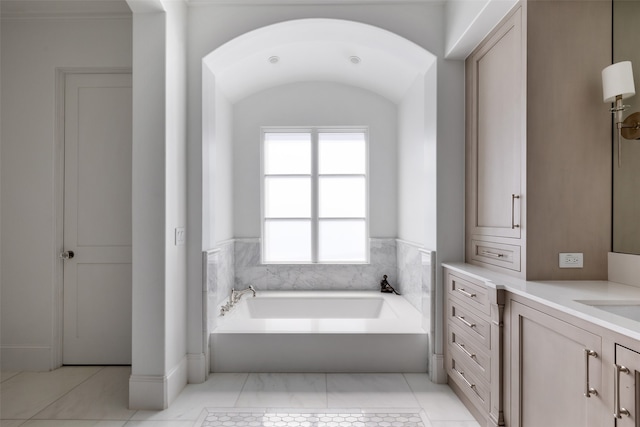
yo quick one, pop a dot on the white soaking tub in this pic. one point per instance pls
(320, 331)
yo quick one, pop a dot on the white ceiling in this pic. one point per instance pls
(308, 50)
(318, 50)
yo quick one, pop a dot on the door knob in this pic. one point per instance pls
(67, 255)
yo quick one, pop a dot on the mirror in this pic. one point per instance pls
(626, 177)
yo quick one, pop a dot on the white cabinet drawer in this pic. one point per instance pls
(470, 292)
(476, 389)
(498, 254)
(469, 321)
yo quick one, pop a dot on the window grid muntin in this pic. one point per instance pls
(315, 178)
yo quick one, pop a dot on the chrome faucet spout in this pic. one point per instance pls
(234, 297)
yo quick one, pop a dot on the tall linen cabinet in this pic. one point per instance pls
(538, 156)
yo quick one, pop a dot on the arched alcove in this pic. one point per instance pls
(334, 51)
(390, 78)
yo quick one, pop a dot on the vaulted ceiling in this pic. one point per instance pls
(318, 50)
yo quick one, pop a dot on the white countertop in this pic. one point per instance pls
(564, 296)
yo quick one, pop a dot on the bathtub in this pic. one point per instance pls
(320, 331)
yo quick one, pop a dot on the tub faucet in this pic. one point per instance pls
(234, 298)
(236, 295)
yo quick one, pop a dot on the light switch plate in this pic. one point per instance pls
(181, 236)
(571, 260)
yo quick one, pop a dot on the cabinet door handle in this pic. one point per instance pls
(588, 390)
(465, 351)
(461, 318)
(465, 293)
(618, 412)
(513, 211)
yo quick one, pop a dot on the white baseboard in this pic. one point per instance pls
(197, 368)
(26, 358)
(437, 372)
(147, 392)
(156, 392)
(177, 379)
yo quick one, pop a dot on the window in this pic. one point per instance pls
(314, 196)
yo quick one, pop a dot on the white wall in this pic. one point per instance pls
(159, 364)
(149, 234)
(31, 51)
(223, 166)
(315, 104)
(176, 195)
(412, 172)
(450, 177)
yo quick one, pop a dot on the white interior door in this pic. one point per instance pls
(97, 219)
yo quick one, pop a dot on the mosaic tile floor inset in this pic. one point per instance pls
(311, 418)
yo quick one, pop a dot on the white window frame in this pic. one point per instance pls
(314, 131)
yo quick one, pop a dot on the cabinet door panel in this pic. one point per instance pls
(497, 132)
(629, 386)
(549, 372)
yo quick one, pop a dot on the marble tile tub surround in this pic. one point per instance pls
(415, 274)
(250, 271)
(218, 277)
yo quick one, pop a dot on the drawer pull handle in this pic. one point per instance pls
(471, 385)
(618, 412)
(465, 293)
(469, 324)
(513, 209)
(491, 254)
(588, 390)
(465, 351)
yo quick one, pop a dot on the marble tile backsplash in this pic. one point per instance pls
(249, 270)
(219, 274)
(409, 263)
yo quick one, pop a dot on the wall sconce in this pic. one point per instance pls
(617, 84)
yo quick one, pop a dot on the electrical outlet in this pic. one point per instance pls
(181, 236)
(571, 260)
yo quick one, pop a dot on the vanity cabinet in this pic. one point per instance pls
(555, 371)
(526, 189)
(626, 387)
(474, 345)
(521, 357)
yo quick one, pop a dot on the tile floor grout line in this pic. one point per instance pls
(16, 373)
(326, 390)
(246, 378)
(64, 394)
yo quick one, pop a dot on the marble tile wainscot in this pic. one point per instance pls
(218, 276)
(250, 271)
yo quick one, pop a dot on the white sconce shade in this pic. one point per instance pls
(617, 79)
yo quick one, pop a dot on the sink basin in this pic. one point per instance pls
(625, 308)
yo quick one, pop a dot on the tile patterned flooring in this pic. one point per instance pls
(98, 396)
